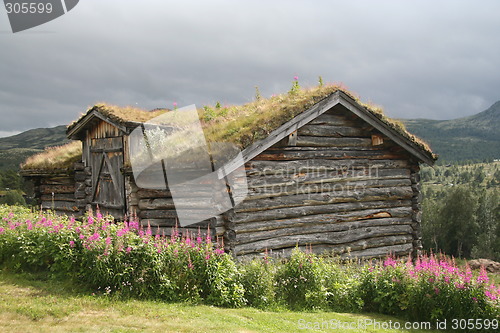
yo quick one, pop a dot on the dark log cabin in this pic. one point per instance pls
(323, 171)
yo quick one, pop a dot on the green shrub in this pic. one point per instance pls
(258, 277)
(300, 282)
(12, 197)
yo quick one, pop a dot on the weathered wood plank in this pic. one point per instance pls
(322, 141)
(377, 252)
(69, 197)
(294, 189)
(63, 206)
(49, 189)
(286, 154)
(352, 226)
(326, 177)
(259, 168)
(156, 203)
(334, 131)
(346, 249)
(310, 199)
(282, 213)
(342, 237)
(339, 217)
(332, 120)
(146, 193)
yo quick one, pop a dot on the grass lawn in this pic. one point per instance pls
(30, 303)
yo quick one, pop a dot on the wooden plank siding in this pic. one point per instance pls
(332, 189)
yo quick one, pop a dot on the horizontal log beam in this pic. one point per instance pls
(305, 231)
(334, 131)
(339, 217)
(348, 185)
(259, 168)
(48, 189)
(343, 237)
(311, 199)
(63, 206)
(293, 212)
(321, 141)
(329, 249)
(287, 154)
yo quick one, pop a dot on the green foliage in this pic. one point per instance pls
(257, 278)
(461, 210)
(124, 260)
(320, 81)
(10, 179)
(432, 289)
(12, 197)
(342, 281)
(301, 282)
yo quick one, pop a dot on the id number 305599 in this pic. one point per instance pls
(28, 7)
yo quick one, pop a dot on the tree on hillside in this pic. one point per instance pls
(488, 217)
(12, 197)
(11, 180)
(457, 218)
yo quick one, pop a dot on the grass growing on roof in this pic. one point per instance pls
(241, 125)
(60, 157)
(248, 123)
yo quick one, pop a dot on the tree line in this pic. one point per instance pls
(461, 210)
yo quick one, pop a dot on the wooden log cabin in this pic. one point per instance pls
(323, 171)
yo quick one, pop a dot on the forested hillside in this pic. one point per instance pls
(461, 210)
(475, 138)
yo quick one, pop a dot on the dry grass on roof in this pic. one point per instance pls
(246, 124)
(121, 114)
(60, 157)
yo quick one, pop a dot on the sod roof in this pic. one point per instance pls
(240, 124)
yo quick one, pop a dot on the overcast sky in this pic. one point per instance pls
(417, 59)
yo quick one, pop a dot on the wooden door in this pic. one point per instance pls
(108, 183)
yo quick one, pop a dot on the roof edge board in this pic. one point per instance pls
(371, 119)
(83, 122)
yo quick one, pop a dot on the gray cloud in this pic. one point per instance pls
(417, 59)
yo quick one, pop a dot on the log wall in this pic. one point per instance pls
(337, 185)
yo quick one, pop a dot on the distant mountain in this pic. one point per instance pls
(475, 137)
(15, 149)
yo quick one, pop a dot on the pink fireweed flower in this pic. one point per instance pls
(128, 249)
(90, 220)
(2, 230)
(94, 237)
(295, 77)
(483, 276)
(108, 240)
(390, 262)
(490, 295)
(72, 243)
(82, 236)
